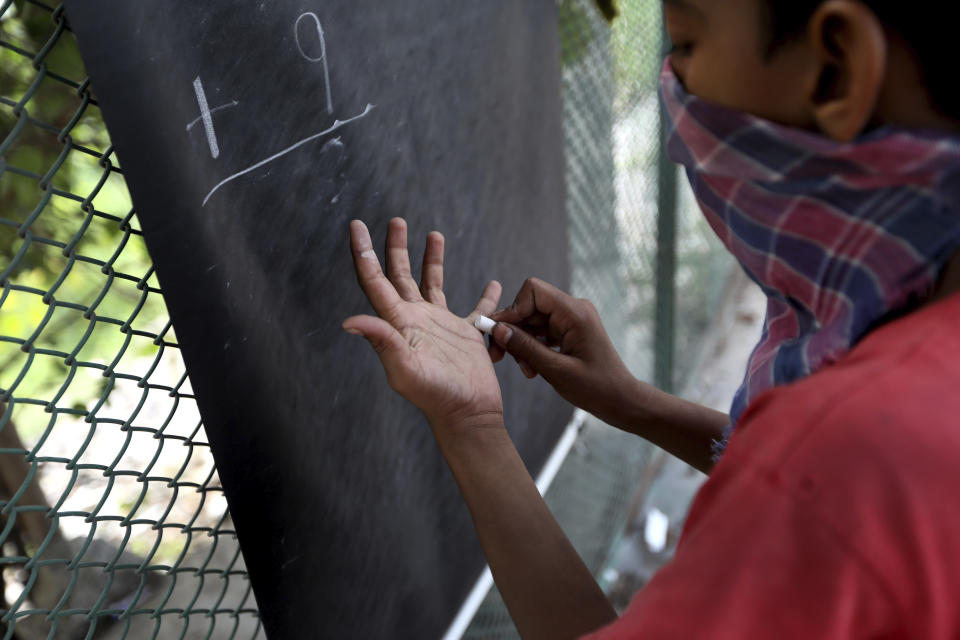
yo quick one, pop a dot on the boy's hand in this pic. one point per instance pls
(433, 358)
(562, 338)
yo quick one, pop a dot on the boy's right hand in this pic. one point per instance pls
(562, 338)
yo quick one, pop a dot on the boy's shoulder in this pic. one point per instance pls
(870, 449)
(896, 392)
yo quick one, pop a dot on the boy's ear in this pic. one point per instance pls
(850, 49)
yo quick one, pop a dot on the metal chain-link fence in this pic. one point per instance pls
(112, 520)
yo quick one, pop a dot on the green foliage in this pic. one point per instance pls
(576, 32)
(637, 44)
(71, 257)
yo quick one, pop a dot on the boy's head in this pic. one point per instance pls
(835, 66)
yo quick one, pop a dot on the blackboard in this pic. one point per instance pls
(249, 135)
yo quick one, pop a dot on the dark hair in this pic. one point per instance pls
(927, 26)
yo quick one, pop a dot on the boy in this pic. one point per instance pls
(820, 139)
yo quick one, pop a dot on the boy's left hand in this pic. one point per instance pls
(432, 357)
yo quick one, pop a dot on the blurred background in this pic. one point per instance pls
(112, 519)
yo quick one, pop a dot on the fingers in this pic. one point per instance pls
(536, 298)
(381, 293)
(496, 351)
(530, 311)
(529, 351)
(526, 369)
(398, 261)
(431, 279)
(486, 306)
(488, 299)
(385, 340)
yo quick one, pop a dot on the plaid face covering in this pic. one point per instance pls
(840, 237)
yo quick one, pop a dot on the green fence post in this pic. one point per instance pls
(664, 335)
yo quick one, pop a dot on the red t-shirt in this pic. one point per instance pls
(835, 512)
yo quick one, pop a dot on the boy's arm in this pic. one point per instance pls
(683, 428)
(548, 590)
(439, 362)
(562, 338)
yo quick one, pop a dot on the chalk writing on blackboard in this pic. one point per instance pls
(206, 113)
(323, 53)
(192, 123)
(336, 125)
(205, 116)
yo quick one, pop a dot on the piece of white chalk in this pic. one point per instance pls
(485, 324)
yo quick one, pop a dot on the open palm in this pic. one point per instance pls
(432, 357)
